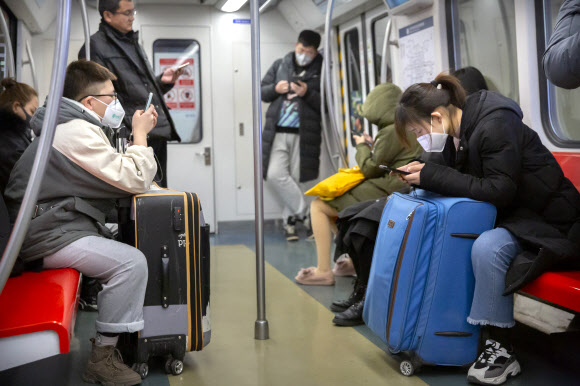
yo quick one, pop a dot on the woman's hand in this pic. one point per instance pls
(415, 169)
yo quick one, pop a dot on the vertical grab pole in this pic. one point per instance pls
(9, 59)
(45, 145)
(87, 29)
(328, 78)
(32, 65)
(261, 328)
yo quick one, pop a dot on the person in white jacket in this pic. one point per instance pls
(84, 177)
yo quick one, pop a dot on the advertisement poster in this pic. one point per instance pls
(183, 100)
(417, 50)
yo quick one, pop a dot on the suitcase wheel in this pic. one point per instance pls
(141, 368)
(407, 368)
(173, 366)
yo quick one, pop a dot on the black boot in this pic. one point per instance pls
(357, 294)
(352, 316)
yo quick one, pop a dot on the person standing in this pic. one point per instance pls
(292, 134)
(116, 47)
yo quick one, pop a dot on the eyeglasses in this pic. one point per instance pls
(114, 96)
(128, 12)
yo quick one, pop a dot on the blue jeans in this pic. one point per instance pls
(491, 256)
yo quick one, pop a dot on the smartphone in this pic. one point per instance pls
(149, 101)
(393, 170)
(183, 66)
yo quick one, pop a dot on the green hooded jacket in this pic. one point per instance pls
(379, 109)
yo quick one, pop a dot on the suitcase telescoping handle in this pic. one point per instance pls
(164, 277)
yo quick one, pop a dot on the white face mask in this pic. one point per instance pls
(303, 59)
(114, 114)
(434, 142)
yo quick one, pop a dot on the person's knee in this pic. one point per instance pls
(316, 205)
(139, 269)
(488, 245)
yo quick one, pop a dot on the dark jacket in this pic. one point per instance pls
(14, 139)
(83, 179)
(502, 161)
(124, 57)
(562, 57)
(309, 110)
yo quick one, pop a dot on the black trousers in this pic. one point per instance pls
(159, 146)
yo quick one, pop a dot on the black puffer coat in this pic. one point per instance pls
(562, 57)
(124, 57)
(502, 161)
(309, 110)
(14, 139)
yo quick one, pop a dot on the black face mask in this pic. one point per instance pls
(28, 116)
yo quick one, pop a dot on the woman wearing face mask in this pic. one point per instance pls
(18, 102)
(500, 160)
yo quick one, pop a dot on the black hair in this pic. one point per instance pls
(309, 38)
(109, 5)
(82, 77)
(471, 79)
(14, 91)
(421, 99)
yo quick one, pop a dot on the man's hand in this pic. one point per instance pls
(170, 75)
(415, 169)
(143, 123)
(300, 88)
(282, 87)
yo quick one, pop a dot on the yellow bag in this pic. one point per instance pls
(337, 184)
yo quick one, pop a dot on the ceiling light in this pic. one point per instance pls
(232, 5)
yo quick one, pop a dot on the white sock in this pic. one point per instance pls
(102, 340)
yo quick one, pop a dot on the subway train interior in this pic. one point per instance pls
(266, 328)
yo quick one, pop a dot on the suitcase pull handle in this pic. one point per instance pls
(465, 235)
(165, 277)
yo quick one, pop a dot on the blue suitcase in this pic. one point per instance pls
(421, 282)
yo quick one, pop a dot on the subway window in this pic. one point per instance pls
(184, 99)
(354, 80)
(379, 29)
(11, 25)
(484, 36)
(561, 115)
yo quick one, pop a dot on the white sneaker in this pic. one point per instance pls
(494, 365)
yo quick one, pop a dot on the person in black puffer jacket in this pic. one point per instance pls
(502, 161)
(292, 136)
(18, 102)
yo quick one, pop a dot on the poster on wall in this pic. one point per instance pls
(417, 50)
(183, 100)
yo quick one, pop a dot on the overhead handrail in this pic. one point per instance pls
(86, 28)
(32, 65)
(266, 5)
(328, 82)
(261, 327)
(386, 52)
(9, 59)
(45, 144)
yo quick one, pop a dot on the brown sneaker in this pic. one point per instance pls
(107, 368)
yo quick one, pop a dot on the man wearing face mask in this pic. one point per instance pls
(84, 178)
(116, 46)
(291, 136)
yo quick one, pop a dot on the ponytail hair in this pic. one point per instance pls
(421, 99)
(13, 91)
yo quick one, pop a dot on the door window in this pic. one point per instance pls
(354, 81)
(485, 37)
(184, 99)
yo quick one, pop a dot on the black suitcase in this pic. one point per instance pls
(168, 227)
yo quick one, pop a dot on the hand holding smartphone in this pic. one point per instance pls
(182, 66)
(393, 170)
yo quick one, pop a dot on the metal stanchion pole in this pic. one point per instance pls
(261, 328)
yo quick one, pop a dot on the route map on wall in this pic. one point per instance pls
(417, 50)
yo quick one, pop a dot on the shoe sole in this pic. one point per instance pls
(334, 308)
(512, 370)
(292, 238)
(347, 323)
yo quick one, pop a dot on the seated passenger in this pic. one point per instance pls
(358, 224)
(502, 161)
(378, 108)
(18, 102)
(84, 177)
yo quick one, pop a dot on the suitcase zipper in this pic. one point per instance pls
(398, 270)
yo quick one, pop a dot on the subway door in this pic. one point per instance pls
(190, 165)
(354, 82)
(243, 131)
(378, 27)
